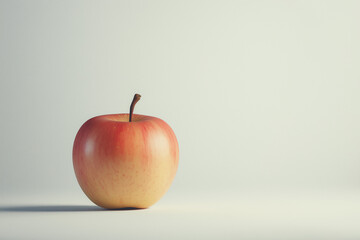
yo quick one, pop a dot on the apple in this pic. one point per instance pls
(125, 160)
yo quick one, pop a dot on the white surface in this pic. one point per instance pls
(321, 215)
(262, 95)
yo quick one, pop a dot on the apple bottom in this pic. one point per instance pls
(130, 185)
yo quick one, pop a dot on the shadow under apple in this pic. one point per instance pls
(59, 208)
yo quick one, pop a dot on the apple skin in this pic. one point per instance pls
(121, 164)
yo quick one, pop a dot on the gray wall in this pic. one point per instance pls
(261, 94)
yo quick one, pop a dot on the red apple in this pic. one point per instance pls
(125, 160)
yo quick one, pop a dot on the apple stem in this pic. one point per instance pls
(134, 101)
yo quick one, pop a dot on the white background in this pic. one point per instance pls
(262, 95)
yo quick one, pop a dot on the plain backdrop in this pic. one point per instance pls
(262, 95)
